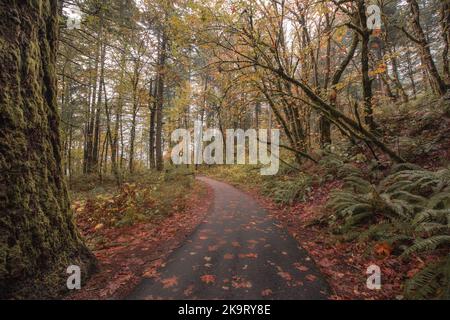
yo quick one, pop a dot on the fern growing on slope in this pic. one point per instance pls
(288, 191)
(431, 281)
(410, 208)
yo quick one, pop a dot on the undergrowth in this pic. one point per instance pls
(142, 197)
(409, 210)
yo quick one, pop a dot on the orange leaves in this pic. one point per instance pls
(383, 249)
(285, 275)
(311, 277)
(240, 283)
(325, 262)
(169, 282)
(228, 256)
(300, 267)
(235, 244)
(208, 278)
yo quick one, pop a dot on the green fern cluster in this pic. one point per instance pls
(431, 281)
(294, 189)
(336, 167)
(410, 209)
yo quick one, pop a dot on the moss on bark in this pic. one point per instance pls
(38, 238)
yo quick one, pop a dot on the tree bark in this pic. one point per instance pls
(425, 51)
(151, 140)
(445, 25)
(135, 80)
(366, 81)
(325, 124)
(160, 103)
(38, 238)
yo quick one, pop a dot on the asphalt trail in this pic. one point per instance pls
(238, 252)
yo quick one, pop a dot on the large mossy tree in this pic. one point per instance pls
(38, 238)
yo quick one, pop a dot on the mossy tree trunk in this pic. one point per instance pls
(38, 238)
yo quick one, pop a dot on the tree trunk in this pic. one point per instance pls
(151, 133)
(97, 128)
(366, 81)
(38, 239)
(160, 103)
(445, 25)
(135, 79)
(411, 72)
(396, 74)
(425, 51)
(325, 124)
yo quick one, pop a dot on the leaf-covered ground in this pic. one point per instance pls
(126, 252)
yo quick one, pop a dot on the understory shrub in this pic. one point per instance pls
(410, 209)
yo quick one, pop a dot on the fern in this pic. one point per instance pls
(409, 208)
(288, 191)
(427, 244)
(431, 282)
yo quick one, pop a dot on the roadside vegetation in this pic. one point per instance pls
(399, 212)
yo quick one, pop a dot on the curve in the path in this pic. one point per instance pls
(238, 252)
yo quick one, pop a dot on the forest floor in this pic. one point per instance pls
(128, 251)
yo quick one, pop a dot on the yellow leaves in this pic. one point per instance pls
(341, 85)
(380, 69)
(99, 226)
(340, 33)
(248, 255)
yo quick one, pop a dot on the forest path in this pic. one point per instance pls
(238, 252)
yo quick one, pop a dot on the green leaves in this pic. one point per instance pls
(409, 208)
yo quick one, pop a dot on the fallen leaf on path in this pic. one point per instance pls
(300, 267)
(208, 278)
(169, 282)
(311, 277)
(235, 244)
(285, 275)
(248, 255)
(228, 256)
(240, 283)
(266, 292)
(189, 290)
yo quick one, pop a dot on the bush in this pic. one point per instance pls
(288, 190)
(409, 209)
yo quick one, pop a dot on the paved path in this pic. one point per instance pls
(238, 252)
